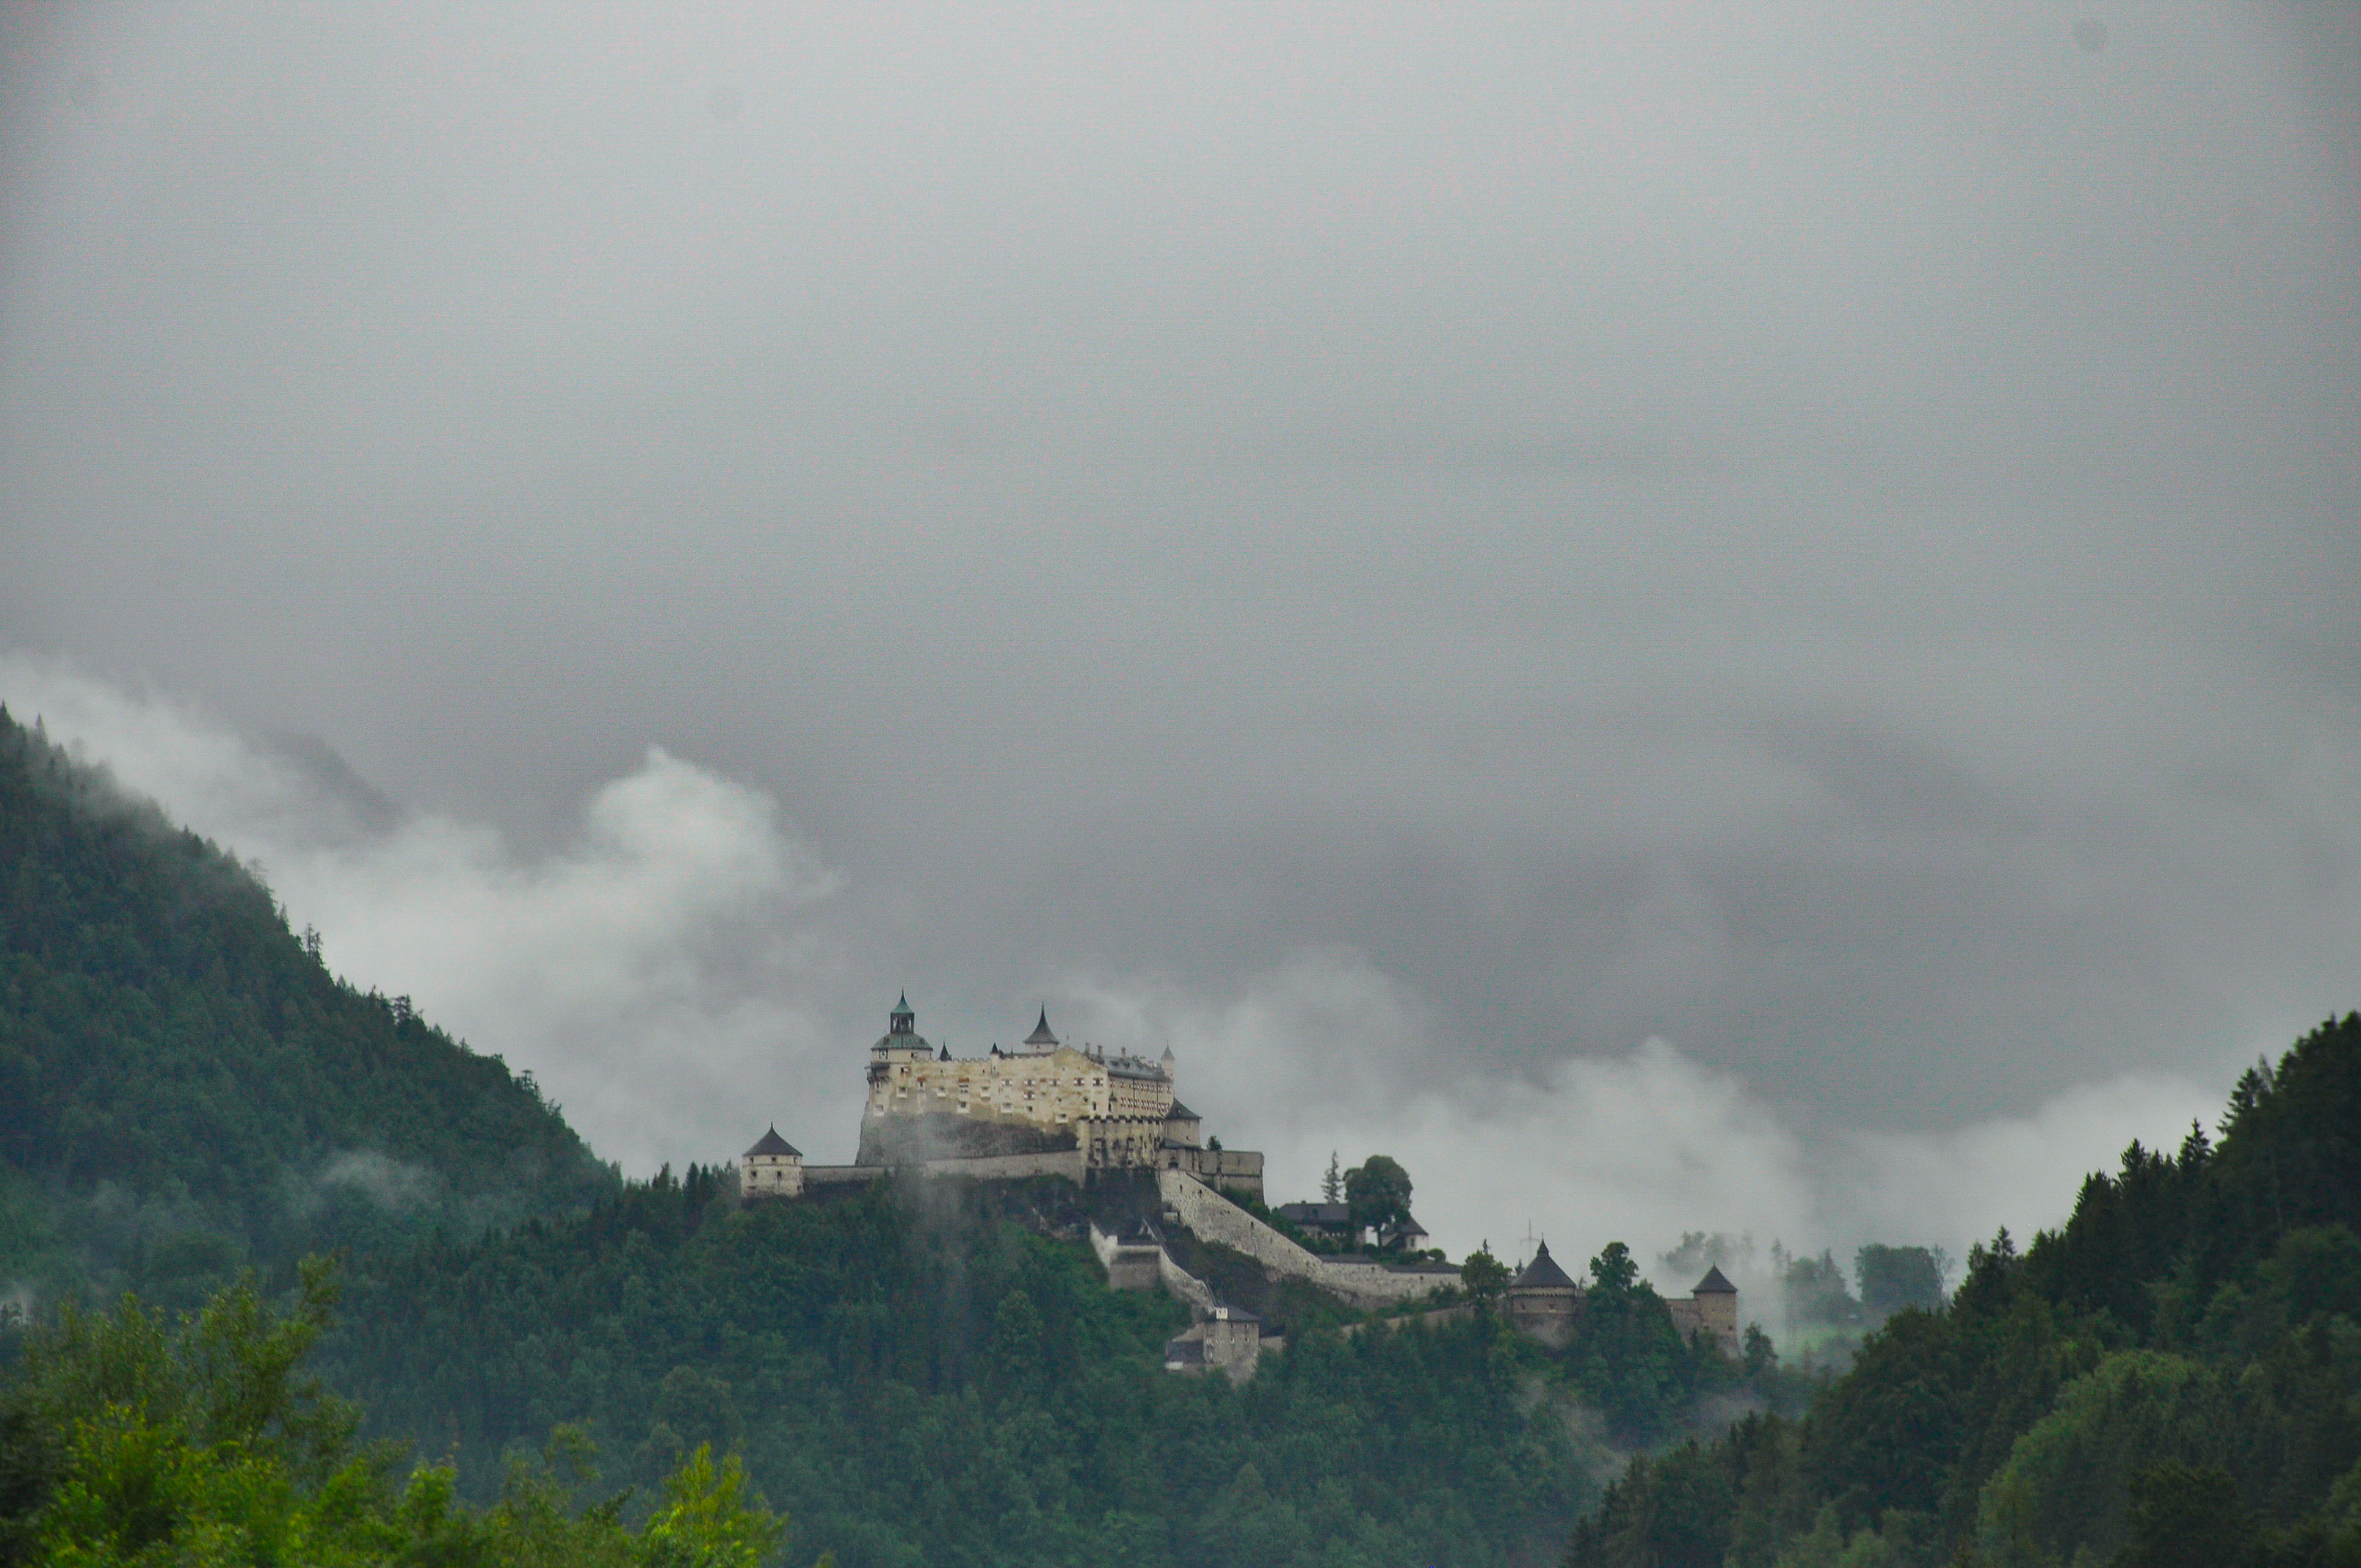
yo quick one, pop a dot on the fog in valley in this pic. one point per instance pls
(1739, 623)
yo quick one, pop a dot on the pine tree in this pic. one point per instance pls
(1331, 1186)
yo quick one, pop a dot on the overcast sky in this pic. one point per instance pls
(1678, 616)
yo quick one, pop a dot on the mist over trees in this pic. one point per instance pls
(2172, 1376)
(1820, 1314)
(937, 1372)
(919, 1374)
(186, 1091)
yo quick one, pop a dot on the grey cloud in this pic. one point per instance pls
(1832, 541)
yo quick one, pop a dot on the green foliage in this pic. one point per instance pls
(1377, 1191)
(2183, 1517)
(1630, 1363)
(2174, 1376)
(184, 1088)
(129, 1437)
(1483, 1277)
(1824, 1320)
(919, 1376)
(1894, 1278)
(707, 1518)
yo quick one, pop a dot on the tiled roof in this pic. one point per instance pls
(1318, 1213)
(1542, 1274)
(772, 1144)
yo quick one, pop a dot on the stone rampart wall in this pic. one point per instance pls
(1067, 1163)
(843, 1175)
(1213, 1218)
(1434, 1318)
(1184, 1285)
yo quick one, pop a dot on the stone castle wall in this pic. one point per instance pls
(1067, 1163)
(939, 1135)
(1051, 1088)
(1213, 1218)
(1713, 1315)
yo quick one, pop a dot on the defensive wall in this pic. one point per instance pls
(1433, 1318)
(1213, 1218)
(1145, 1265)
(1130, 1265)
(1067, 1163)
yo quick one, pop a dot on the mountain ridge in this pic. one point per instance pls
(185, 1089)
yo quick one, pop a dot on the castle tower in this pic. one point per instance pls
(1041, 1039)
(774, 1168)
(1717, 1308)
(1542, 1301)
(900, 1043)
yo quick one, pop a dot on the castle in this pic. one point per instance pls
(1046, 1108)
(1544, 1303)
(1050, 1108)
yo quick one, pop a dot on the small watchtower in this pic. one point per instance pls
(1543, 1300)
(773, 1168)
(1717, 1308)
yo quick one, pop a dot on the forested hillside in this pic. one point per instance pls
(185, 1090)
(935, 1374)
(2173, 1377)
(919, 1374)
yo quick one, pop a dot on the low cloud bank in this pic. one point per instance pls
(644, 972)
(1325, 1053)
(670, 976)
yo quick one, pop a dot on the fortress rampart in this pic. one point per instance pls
(1213, 1218)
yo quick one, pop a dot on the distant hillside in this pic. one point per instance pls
(2173, 1377)
(184, 1088)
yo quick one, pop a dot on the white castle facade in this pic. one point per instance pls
(1044, 1083)
(1045, 1108)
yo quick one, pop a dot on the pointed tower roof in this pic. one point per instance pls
(1541, 1274)
(773, 1143)
(902, 1008)
(1714, 1284)
(1042, 1034)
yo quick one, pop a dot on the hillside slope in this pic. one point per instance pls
(2172, 1377)
(184, 1087)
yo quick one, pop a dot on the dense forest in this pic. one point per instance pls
(186, 1091)
(933, 1373)
(552, 1364)
(2172, 1377)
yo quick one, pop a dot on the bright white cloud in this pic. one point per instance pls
(616, 969)
(593, 967)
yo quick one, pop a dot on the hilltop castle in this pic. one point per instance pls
(1046, 1108)
(1050, 1108)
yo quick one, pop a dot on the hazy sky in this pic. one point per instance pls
(1411, 553)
